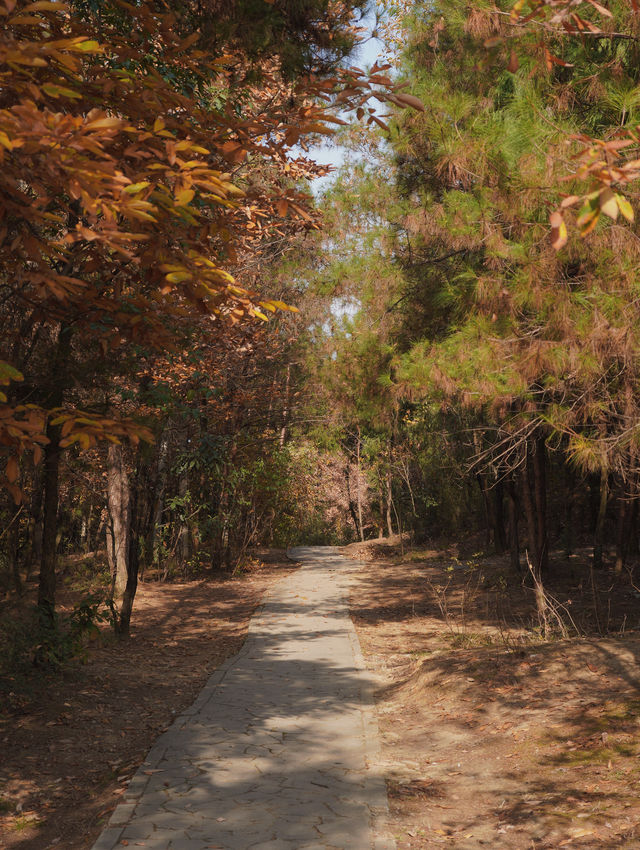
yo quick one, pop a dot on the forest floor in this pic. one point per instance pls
(492, 736)
(69, 744)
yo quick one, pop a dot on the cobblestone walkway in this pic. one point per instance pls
(278, 752)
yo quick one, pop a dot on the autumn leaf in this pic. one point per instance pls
(625, 207)
(559, 235)
(410, 100)
(608, 203)
(11, 470)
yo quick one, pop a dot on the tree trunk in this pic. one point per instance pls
(530, 513)
(351, 503)
(88, 538)
(118, 526)
(34, 532)
(487, 509)
(499, 533)
(626, 518)
(12, 534)
(358, 488)
(540, 491)
(633, 550)
(621, 527)
(185, 542)
(285, 410)
(389, 502)
(152, 554)
(598, 538)
(569, 510)
(132, 557)
(512, 509)
(47, 581)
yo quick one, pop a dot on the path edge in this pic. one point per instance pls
(383, 839)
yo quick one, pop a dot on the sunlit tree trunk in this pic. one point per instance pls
(285, 410)
(389, 502)
(118, 525)
(358, 486)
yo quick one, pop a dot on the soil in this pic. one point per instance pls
(492, 735)
(70, 743)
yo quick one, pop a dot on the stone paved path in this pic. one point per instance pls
(278, 752)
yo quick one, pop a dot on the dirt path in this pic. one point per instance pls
(69, 746)
(488, 740)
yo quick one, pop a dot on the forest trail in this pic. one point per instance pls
(279, 751)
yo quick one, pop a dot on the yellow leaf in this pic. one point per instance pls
(179, 277)
(104, 123)
(625, 207)
(136, 187)
(87, 46)
(134, 212)
(608, 203)
(185, 197)
(558, 231)
(5, 141)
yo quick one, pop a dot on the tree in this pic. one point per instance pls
(144, 159)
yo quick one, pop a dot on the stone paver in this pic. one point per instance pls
(279, 751)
